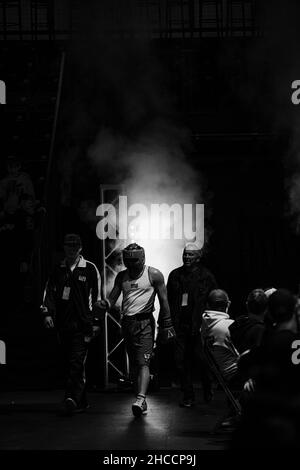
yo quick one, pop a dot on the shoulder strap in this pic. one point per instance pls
(150, 276)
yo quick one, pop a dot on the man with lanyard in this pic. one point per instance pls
(188, 288)
(139, 285)
(71, 291)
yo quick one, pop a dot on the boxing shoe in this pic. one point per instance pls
(139, 407)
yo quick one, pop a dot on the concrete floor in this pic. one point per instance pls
(30, 420)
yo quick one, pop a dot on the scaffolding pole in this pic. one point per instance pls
(108, 247)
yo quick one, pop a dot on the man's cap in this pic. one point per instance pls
(72, 239)
(269, 291)
(192, 247)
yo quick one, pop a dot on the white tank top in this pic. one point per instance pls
(138, 294)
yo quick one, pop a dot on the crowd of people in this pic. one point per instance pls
(270, 370)
(253, 352)
(257, 356)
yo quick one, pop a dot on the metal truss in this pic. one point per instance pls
(109, 247)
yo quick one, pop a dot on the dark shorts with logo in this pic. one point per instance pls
(138, 334)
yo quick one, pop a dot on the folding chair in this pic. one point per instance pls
(208, 348)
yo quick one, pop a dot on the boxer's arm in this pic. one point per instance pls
(166, 330)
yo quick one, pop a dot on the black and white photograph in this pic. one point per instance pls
(149, 229)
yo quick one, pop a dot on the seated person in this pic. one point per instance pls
(215, 325)
(247, 330)
(271, 414)
(275, 367)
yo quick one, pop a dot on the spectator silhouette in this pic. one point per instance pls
(271, 416)
(247, 330)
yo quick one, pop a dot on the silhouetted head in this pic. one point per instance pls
(72, 246)
(218, 300)
(282, 305)
(191, 256)
(257, 302)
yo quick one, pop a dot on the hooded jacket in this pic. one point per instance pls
(216, 324)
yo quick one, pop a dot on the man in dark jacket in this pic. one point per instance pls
(247, 330)
(188, 288)
(271, 415)
(70, 304)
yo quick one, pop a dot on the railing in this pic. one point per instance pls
(60, 20)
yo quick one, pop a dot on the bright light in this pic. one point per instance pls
(161, 253)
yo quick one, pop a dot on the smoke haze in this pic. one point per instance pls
(139, 140)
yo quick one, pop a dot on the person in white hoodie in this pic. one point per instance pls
(215, 325)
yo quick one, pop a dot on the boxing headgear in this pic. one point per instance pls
(133, 253)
